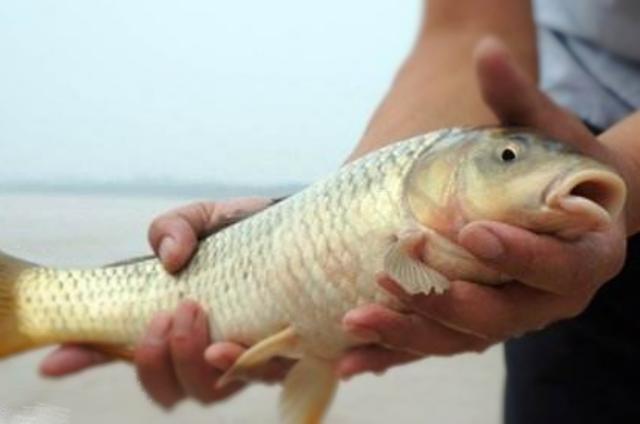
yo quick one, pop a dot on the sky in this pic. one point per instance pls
(243, 92)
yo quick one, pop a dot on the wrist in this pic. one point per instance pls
(431, 90)
(436, 87)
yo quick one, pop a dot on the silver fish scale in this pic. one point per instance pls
(303, 262)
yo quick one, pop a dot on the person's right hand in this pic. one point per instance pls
(169, 358)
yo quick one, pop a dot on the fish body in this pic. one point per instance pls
(281, 280)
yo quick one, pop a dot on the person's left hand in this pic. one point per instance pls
(174, 358)
(555, 279)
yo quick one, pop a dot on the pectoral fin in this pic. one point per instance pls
(308, 391)
(403, 265)
(284, 343)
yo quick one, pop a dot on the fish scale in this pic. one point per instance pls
(281, 280)
(293, 236)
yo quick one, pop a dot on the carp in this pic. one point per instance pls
(281, 280)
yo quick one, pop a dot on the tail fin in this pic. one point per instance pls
(11, 339)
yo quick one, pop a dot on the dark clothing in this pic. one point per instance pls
(584, 370)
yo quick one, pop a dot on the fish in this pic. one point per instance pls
(280, 281)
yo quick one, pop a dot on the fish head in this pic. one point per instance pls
(529, 180)
(524, 179)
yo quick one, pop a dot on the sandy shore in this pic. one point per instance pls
(89, 230)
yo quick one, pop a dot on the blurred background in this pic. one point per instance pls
(114, 111)
(158, 93)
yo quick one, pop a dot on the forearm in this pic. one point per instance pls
(624, 140)
(436, 86)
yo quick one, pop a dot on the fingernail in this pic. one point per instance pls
(167, 244)
(183, 322)
(218, 360)
(482, 242)
(158, 330)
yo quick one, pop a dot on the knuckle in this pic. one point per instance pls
(216, 215)
(204, 210)
(399, 333)
(197, 216)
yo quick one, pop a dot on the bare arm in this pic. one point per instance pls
(436, 86)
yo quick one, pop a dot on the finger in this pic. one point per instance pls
(409, 332)
(497, 313)
(371, 359)
(500, 77)
(223, 355)
(188, 341)
(545, 262)
(154, 366)
(516, 99)
(174, 236)
(70, 359)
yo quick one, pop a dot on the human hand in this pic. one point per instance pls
(554, 279)
(169, 358)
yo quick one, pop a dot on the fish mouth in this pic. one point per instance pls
(592, 199)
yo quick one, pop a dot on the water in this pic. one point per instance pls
(148, 188)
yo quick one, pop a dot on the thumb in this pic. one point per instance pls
(174, 236)
(542, 261)
(517, 101)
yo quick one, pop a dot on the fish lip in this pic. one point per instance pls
(558, 195)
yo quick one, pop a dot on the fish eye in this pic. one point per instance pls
(508, 154)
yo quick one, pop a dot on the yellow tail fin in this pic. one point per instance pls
(11, 339)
